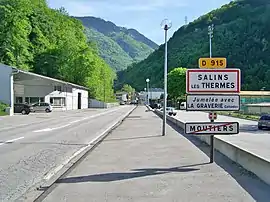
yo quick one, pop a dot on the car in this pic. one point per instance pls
(22, 108)
(42, 107)
(122, 103)
(264, 122)
(170, 111)
(183, 105)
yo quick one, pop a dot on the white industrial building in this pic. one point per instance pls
(19, 86)
(153, 93)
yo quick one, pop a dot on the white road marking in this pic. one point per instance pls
(76, 121)
(58, 168)
(10, 141)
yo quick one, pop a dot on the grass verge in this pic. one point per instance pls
(3, 113)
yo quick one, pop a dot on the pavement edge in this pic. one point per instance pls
(39, 191)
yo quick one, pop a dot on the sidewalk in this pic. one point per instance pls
(136, 164)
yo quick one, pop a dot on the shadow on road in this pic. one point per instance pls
(109, 177)
(259, 190)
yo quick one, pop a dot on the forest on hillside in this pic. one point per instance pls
(118, 46)
(47, 41)
(241, 34)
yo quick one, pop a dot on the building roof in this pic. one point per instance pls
(254, 93)
(52, 79)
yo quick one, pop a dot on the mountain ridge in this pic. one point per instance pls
(135, 45)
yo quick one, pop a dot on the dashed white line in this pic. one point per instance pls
(58, 168)
(76, 121)
(10, 141)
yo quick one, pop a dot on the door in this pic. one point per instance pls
(79, 100)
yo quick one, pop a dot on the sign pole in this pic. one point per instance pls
(212, 146)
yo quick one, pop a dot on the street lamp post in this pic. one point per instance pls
(147, 82)
(166, 25)
(210, 32)
(145, 94)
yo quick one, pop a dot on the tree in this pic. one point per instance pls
(177, 82)
(127, 88)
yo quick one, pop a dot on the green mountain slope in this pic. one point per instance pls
(46, 41)
(241, 35)
(118, 46)
(110, 51)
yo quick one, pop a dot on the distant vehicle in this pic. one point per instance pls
(155, 106)
(170, 111)
(22, 108)
(122, 103)
(264, 122)
(134, 102)
(42, 107)
(124, 98)
(183, 105)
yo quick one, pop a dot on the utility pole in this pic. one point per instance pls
(186, 20)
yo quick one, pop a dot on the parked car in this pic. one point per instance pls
(264, 122)
(183, 105)
(42, 107)
(170, 111)
(22, 108)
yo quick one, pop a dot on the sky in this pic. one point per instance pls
(142, 15)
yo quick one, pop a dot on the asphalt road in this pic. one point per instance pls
(249, 138)
(31, 147)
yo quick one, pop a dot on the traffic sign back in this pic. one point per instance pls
(212, 63)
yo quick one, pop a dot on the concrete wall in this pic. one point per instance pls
(98, 104)
(5, 84)
(257, 109)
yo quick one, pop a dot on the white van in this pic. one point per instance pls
(183, 105)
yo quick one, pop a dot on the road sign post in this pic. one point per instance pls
(212, 88)
(212, 147)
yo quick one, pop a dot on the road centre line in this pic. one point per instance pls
(76, 121)
(11, 141)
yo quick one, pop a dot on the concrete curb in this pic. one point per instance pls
(255, 164)
(45, 187)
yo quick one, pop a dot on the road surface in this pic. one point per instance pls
(32, 147)
(250, 138)
(136, 164)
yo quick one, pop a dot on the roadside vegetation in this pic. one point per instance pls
(241, 115)
(49, 42)
(2, 109)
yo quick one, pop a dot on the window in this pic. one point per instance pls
(58, 101)
(32, 100)
(57, 88)
(19, 100)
